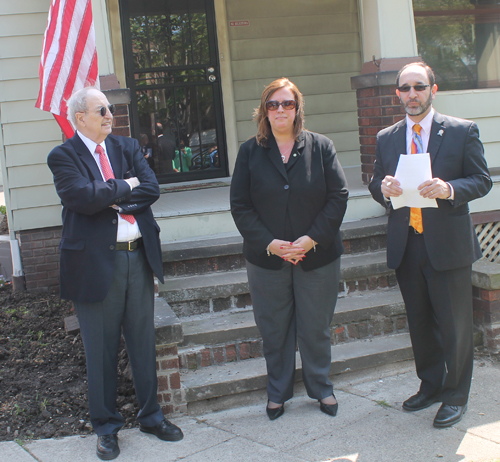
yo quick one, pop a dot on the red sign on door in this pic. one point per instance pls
(239, 23)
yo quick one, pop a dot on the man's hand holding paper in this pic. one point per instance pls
(414, 175)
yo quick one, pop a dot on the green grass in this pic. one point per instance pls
(383, 403)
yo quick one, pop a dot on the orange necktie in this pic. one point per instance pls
(108, 173)
(416, 148)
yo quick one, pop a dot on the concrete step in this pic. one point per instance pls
(240, 325)
(360, 236)
(233, 336)
(211, 292)
(217, 383)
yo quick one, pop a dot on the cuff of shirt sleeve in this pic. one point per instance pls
(129, 184)
(452, 195)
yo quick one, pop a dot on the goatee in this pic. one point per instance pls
(415, 111)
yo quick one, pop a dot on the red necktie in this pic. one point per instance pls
(416, 148)
(108, 173)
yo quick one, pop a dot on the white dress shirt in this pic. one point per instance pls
(126, 231)
(425, 134)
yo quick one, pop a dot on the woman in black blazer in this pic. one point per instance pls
(288, 198)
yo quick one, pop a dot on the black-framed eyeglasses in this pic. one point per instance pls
(407, 88)
(289, 104)
(103, 109)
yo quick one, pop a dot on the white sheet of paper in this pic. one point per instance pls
(411, 172)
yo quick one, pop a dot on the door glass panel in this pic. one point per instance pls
(176, 93)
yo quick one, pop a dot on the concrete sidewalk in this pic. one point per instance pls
(370, 427)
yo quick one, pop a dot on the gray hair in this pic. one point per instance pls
(78, 103)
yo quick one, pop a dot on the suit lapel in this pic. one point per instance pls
(86, 157)
(399, 137)
(438, 130)
(115, 157)
(274, 155)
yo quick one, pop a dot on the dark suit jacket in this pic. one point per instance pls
(313, 192)
(457, 157)
(90, 224)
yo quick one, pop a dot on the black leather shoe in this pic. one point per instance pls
(419, 401)
(164, 430)
(107, 447)
(330, 409)
(449, 415)
(276, 412)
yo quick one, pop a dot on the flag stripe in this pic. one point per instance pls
(69, 58)
(64, 22)
(80, 48)
(47, 43)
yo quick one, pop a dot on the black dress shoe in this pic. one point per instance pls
(419, 401)
(330, 409)
(274, 413)
(449, 415)
(107, 447)
(164, 430)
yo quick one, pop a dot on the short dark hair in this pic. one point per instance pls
(430, 72)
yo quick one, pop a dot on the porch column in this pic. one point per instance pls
(388, 43)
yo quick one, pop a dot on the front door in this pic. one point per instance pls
(172, 71)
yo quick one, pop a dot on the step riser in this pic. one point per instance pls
(198, 302)
(192, 267)
(198, 307)
(178, 264)
(250, 377)
(194, 359)
(207, 350)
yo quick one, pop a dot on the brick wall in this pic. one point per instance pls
(40, 258)
(170, 396)
(378, 107)
(486, 305)
(121, 120)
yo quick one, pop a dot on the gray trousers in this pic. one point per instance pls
(128, 308)
(294, 306)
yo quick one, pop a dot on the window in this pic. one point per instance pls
(460, 40)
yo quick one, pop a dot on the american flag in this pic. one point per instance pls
(69, 58)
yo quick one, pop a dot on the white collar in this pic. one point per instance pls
(425, 123)
(91, 145)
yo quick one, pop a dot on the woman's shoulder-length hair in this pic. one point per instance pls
(260, 113)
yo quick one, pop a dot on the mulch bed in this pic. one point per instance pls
(43, 386)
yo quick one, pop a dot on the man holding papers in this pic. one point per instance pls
(431, 241)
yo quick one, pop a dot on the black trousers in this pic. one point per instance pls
(439, 309)
(128, 308)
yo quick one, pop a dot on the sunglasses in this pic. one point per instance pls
(289, 104)
(407, 88)
(104, 109)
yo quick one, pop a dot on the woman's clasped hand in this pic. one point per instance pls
(292, 251)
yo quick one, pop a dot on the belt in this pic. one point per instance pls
(130, 245)
(415, 231)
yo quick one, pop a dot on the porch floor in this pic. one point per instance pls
(207, 199)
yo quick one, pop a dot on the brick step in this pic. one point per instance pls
(206, 293)
(218, 291)
(222, 386)
(223, 252)
(235, 337)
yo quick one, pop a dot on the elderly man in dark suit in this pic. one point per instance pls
(432, 249)
(110, 248)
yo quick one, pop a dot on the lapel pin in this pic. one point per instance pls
(440, 132)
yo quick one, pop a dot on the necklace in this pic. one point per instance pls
(285, 150)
